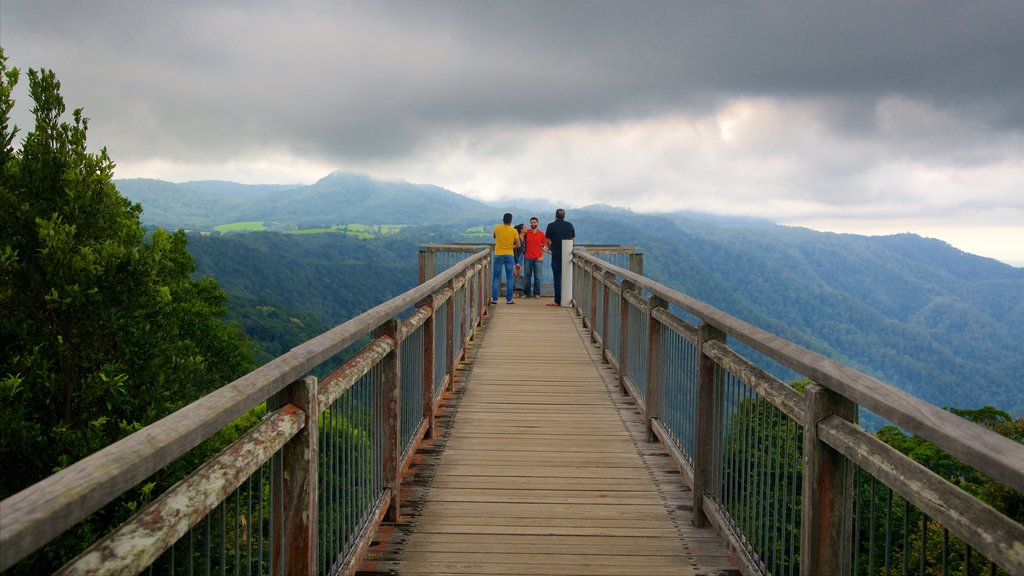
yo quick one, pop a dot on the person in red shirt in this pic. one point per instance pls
(536, 244)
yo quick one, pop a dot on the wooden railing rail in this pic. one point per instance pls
(764, 459)
(286, 440)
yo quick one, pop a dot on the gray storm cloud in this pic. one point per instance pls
(807, 108)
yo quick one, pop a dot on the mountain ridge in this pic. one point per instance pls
(933, 320)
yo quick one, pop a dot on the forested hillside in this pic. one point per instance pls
(334, 276)
(939, 323)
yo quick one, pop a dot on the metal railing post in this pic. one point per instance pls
(449, 336)
(392, 449)
(624, 335)
(428, 260)
(609, 278)
(592, 281)
(827, 491)
(654, 364)
(428, 365)
(295, 526)
(708, 426)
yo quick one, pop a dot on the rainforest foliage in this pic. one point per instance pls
(104, 330)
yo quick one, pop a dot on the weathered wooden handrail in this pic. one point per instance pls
(824, 412)
(36, 515)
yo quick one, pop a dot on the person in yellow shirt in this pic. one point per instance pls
(506, 240)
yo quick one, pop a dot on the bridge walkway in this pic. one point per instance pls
(541, 467)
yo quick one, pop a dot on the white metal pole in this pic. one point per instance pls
(567, 273)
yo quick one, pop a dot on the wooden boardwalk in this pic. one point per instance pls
(541, 468)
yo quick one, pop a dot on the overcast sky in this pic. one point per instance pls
(867, 116)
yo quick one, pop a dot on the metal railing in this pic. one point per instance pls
(787, 477)
(301, 492)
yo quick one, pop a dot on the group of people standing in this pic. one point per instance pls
(519, 252)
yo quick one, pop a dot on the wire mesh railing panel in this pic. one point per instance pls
(350, 466)
(679, 390)
(892, 536)
(636, 366)
(598, 308)
(411, 399)
(234, 538)
(441, 359)
(620, 259)
(760, 476)
(445, 260)
(458, 316)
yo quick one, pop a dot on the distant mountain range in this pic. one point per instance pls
(340, 198)
(942, 324)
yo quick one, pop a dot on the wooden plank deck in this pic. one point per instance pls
(542, 468)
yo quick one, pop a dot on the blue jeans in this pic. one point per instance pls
(556, 269)
(531, 270)
(507, 262)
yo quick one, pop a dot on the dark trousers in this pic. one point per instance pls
(556, 269)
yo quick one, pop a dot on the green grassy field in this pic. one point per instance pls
(357, 230)
(240, 227)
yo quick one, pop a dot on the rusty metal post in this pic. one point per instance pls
(592, 281)
(428, 262)
(449, 337)
(624, 335)
(392, 450)
(428, 365)
(295, 525)
(467, 317)
(708, 426)
(655, 371)
(825, 529)
(481, 286)
(609, 278)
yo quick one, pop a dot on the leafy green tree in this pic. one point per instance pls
(103, 329)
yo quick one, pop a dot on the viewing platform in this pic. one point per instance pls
(636, 430)
(543, 468)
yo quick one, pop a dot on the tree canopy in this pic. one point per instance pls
(103, 328)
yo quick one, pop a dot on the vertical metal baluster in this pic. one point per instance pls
(798, 443)
(783, 459)
(746, 462)
(858, 494)
(191, 552)
(349, 469)
(969, 569)
(238, 530)
(729, 490)
(906, 537)
(765, 448)
(888, 531)
(206, 553)
(924, 541)
(787, 536)
(223, 539)
(755, 476)
(260, 534)
(945, 552)
(871, 529)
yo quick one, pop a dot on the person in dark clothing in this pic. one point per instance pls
(559, 230)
